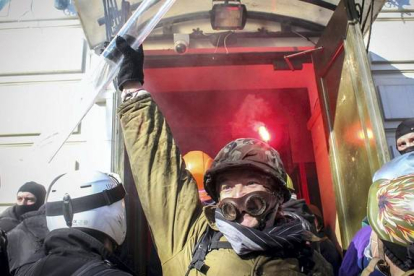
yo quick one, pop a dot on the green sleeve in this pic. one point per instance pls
(167, 191)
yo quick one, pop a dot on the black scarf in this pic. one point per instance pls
(244, 240)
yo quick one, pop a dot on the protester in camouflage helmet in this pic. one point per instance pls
(245, 233)
(246, 166)
(248, 153)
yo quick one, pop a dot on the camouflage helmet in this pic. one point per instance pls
(247, 153)
(390, 209)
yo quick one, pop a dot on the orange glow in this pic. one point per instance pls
(361, 134)
(264, 133)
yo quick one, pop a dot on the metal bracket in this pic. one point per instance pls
(288, 57)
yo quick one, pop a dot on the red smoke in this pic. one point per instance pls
(249, 117)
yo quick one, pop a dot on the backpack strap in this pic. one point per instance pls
(200, 251)
(217, 244)
(209, 241)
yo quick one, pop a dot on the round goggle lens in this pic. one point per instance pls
(229, 211)
(255, 205)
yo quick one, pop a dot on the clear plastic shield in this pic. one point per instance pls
(139, 26)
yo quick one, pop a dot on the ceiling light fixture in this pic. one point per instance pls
(228, 15)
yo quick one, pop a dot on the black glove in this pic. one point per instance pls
(132, 65)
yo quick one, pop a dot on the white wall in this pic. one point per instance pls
(43, 56)
(392, 64)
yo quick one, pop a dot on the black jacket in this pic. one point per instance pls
(25, 241)
(4, 264)
(329, 252)
(9, 219)
(68, 250)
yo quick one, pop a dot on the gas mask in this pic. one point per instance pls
(257, 204)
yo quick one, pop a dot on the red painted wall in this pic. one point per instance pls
(204, 105)
(209, 106)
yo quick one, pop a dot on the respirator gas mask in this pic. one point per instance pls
(257, 204)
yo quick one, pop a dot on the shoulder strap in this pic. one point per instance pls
(217, 244)
(200, 251)
(209, 241)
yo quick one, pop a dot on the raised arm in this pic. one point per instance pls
(167, 191)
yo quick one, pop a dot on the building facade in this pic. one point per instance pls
(43, 56)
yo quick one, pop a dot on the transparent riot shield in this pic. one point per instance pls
(139, 26)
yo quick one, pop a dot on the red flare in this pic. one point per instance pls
(264, 133)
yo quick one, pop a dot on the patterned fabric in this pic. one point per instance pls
(247, 153)
(245, 240)
(395, 205)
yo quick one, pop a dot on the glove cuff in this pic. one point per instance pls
(122, 82)
(130, 94)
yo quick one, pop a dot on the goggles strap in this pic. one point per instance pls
(86, 203)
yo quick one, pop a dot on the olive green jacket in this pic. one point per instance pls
(171, 204)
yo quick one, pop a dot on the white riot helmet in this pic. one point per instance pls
(88, 199)
(399, 166)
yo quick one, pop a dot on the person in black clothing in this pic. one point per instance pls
(85, 214)
(404, 136)
(326, 246)
(4, 267)
(29, 198)
(25, 241)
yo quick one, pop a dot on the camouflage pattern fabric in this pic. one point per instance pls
(247, 153)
